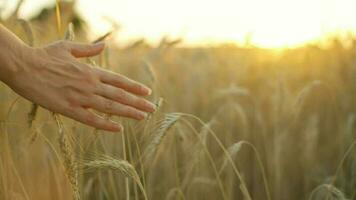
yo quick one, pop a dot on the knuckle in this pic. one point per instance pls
(91, 75)
(133, 112)
(94, 83)
(72, 99)
(108, 106)
(56, 49)
(137, 101)
(96, 87)
(90, 119)
(68, 110)
(91, 79)
(86, 70)
(120, 94)
(126, 110)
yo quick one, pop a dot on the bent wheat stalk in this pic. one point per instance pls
(233, 151)
(210, 159)
(122, 166)
(168, 122)
(225, 151)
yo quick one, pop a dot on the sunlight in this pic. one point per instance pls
(272, 23)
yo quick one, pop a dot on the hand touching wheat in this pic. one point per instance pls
(52, 77)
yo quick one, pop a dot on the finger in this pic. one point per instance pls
(108, 106)
(126, 98)
(79, 50)
(89, 118)
(123, 82)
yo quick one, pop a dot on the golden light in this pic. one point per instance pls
(268, 23)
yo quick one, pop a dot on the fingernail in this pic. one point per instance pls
(151, 106)
(118, 127)
(149, 91)
(142, 115)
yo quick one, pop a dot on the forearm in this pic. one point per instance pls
(12, 51)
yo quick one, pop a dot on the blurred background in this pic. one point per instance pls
(270, 24)
(257, 100)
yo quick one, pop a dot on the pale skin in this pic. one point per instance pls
(52, 77)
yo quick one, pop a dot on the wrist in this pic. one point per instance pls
(14, 61)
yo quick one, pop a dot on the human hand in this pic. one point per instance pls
(53, 78)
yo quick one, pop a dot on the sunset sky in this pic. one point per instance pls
(270, 23)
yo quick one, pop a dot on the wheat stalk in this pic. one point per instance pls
(148, 67)
(124, 167)
(174, 192)
(58, 17)
(69, 162)
(209, 156)
(69, 34)
(220, 144)
(168, 122)
(331, 193)
(233, 150)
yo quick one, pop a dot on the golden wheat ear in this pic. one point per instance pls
(167, 123)
(122, 166)
(69, 162)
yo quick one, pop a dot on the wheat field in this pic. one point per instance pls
(232, 123)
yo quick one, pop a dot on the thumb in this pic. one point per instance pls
(79, 50)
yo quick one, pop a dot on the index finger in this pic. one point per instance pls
(122, 82)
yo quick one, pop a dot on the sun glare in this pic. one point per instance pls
(264, 23)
